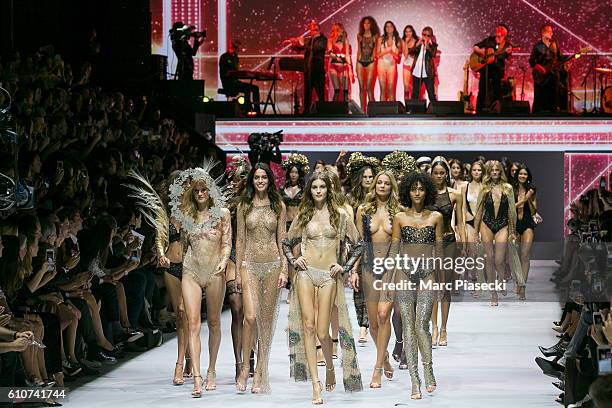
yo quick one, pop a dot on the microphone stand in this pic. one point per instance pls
(523, 84)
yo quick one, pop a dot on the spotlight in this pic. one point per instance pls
(206, 99)
(241, 100)
(251, 113)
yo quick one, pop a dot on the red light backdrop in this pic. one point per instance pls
(261, 26)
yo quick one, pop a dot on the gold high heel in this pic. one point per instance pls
(197, 393)
(318, 401)
(329, 387)
(210, 382)
(244, 372)
(443, 338)
(374, 384)
(388, 373)
(178, 380)
(434, 336)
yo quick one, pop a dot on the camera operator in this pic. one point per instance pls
(180, 35)
(265, 148)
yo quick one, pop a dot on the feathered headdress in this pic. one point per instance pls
(149, 203)
(215, 191)
(298, 160)
(399, 163)
(357, 161)
(239, 164)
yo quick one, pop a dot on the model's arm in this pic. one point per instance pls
(355, 244)
(459, 212)
(293, 238)
(281, 226)
(226, 240)
(511, 212)
(479, 211)
(240, 241)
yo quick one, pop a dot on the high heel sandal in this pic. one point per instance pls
(238, 371)
(320, 361)
(318, 401)
(188, 374)
(397, 354)
(494, 299)
(388, 373)
(197, 393)
(374, 384)
(434, 336)
(521, 293)
(210, 383)
(252, 364)
(178, 380)
(430, 380)
(329, 387)
(241, 387)
(416, 392)
(254, 389)
(403, 362)
(335, 353)
(443, 338)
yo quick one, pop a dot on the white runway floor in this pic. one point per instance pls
(489, 363)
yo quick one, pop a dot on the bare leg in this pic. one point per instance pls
(407, 76)
(192, 298)
(173, 287)
(335, 80)
(97, 321)
(363, 86)
(392, 75)
(306, 294)
(526, 243)
(382, 80)
(327, 297)
(235, 301)
(215, 293)
(487, 241)
(370, 80)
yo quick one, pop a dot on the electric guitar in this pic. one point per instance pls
(478, 62)
(467, 99)
(555, 65)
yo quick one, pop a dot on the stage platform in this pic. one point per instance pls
(424, 133)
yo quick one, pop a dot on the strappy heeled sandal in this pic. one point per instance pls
(388, 373)
(329, 387)
(443, 338)
(321, 362)
(374, 384)
(197, 393)
(178, 380)
(210, 383)
(318, 401)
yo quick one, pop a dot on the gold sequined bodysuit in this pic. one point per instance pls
(259, 251)
(208, 249)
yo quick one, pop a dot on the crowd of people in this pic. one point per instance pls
(79, 283)
(581, 358)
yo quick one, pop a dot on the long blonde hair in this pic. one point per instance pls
(393, 204)
(188, 203)
(486, 179)
(307, 206)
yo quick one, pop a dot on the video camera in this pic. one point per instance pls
(265, 142)
(182, 31)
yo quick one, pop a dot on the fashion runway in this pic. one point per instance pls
(489, 362)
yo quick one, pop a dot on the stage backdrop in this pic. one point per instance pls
(457, 25)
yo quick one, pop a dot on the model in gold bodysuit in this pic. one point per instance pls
(322, 230)
(261, 220)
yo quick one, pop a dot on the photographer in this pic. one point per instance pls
(265, 148)
(180, 35)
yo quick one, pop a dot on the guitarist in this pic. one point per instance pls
(491, 75)
(545, 53)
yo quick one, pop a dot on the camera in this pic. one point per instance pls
(50, 255)
(265, 142)
(182, 31)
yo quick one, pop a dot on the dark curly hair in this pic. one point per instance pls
(411, 181)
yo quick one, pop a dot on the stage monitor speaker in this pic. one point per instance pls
(159, 67)
(515, 108)
(331, 108)
(445, 108)
(385, 108)
(222, 109)
(337, 108)
(184, 89)
(415, 106)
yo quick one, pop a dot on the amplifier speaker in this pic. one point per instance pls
(515, 107)
(445, 108)
(335, 108)
(415, 106)
(222, 109)
(183, 89)
(385, 108)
